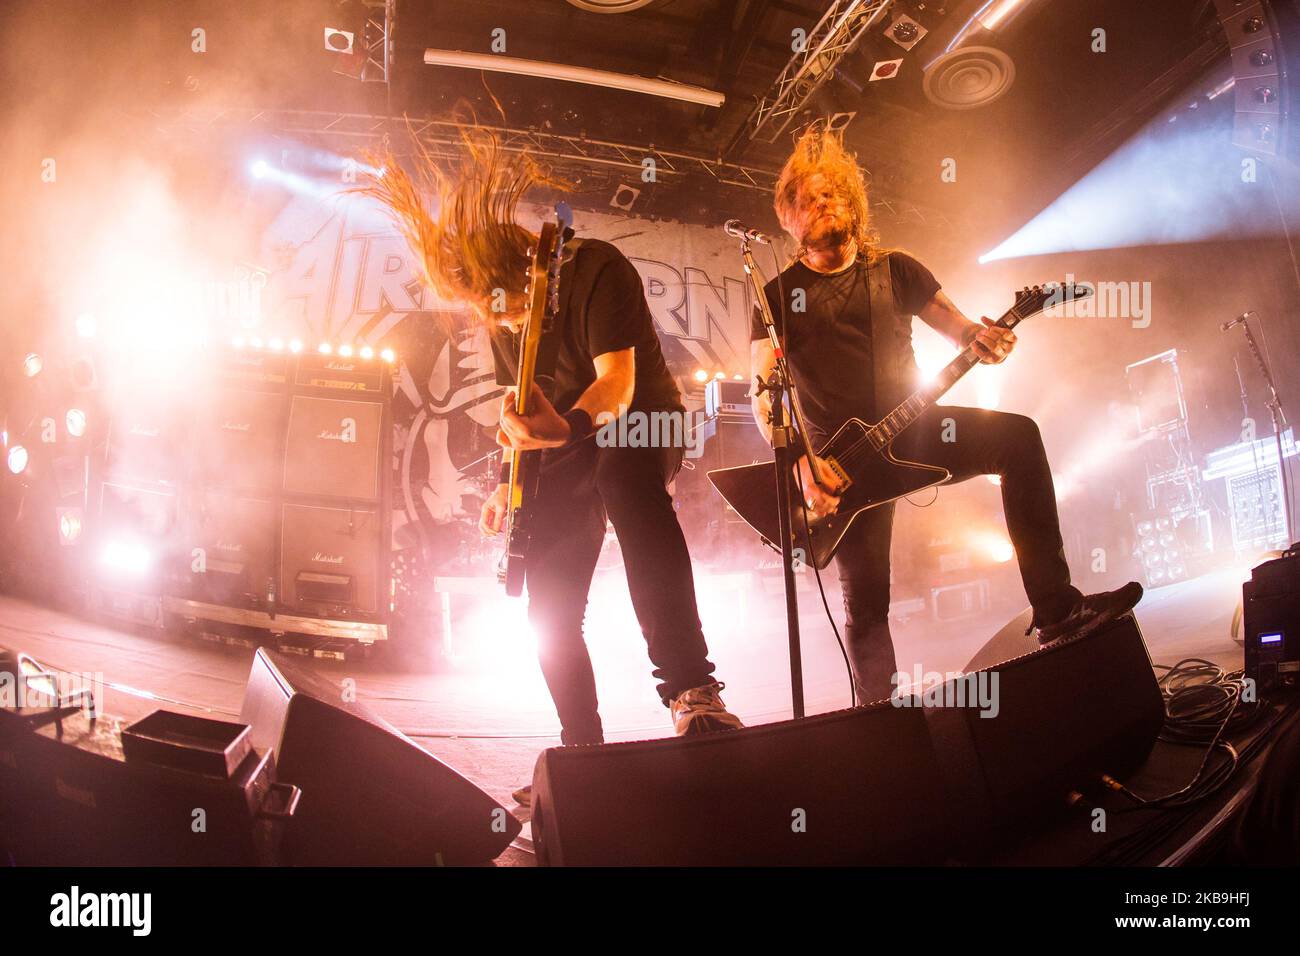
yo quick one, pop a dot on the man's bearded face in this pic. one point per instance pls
(819, 217)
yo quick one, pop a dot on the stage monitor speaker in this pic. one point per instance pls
(334, 448)
(370, 795)
(857, 786)
(330, 559)
(876, 785)
(1066, 713)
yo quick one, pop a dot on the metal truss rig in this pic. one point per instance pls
(442, 139)
(833, 38)
(377, 40)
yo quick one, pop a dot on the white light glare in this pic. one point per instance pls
(32, 365)
(76, 422)
(126, 556)
(18, 459)
(86, 325)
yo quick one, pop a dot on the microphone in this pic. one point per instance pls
(737, 230)
(1237, 321)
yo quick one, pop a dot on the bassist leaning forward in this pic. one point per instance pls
(608, 361)
(849, 363)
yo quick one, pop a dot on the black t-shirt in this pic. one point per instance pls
(603, 310)
(828, 345)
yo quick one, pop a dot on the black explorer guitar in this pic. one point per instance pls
(861, 456)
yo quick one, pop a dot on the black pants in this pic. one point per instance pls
(580, 487)
(981, 443)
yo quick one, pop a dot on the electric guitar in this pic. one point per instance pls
(860, 455)
(543, 291)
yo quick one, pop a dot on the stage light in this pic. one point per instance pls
(345, 351)
(255, 343)
(325, 348)
(1001, 551)
(388, 356)
(260, 169)
(738, 377)
(719, 375)
(69, 525)
(18, 459)
(86, 325)
(295, 346)
(237, 341)
(701, 375)
(127, 556)
(76, 422)
(32, 365)
(276, 345)
(367, 352)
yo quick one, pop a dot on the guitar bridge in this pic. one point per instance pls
(840, 473)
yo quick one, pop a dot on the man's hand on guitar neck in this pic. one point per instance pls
(543, 427)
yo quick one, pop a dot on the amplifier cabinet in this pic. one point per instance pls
(331, 559)
(334, 447)
(264, 490)
(229, 549)
(237, 440)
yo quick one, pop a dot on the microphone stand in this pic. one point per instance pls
(1274, 404)
(784, 436)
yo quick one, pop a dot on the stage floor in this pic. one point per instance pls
(485, 710)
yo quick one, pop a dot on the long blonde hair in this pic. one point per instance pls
(819, 150)
(468, 246)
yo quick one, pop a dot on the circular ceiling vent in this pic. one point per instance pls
(969, 77)
(611, 6)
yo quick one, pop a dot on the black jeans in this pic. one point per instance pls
(580, 487)
(980, 443)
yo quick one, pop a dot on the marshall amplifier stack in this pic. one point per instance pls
(265, 496)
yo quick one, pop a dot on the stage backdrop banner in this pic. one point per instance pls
(338, 272)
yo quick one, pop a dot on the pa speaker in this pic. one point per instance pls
(858, 786)
(920, 780)
(370, 795)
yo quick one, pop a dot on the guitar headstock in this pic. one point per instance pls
(1034, 299)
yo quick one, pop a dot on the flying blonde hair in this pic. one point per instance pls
(460, 224)
(819, 150)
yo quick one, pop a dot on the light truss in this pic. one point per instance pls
(442, 139)
(377, 40)
(834, 37)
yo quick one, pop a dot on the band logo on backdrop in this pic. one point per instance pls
(342, 274)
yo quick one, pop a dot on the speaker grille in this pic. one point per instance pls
(330, 558)
(333, 448)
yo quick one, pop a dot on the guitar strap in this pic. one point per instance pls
(884, 336)
(548, 348)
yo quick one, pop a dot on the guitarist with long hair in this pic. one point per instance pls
(608, 361)
(845, 327)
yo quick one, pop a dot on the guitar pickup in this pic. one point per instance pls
(840, 473)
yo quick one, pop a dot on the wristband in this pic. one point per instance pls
(580, 425)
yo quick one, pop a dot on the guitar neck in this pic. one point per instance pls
(893, 424)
